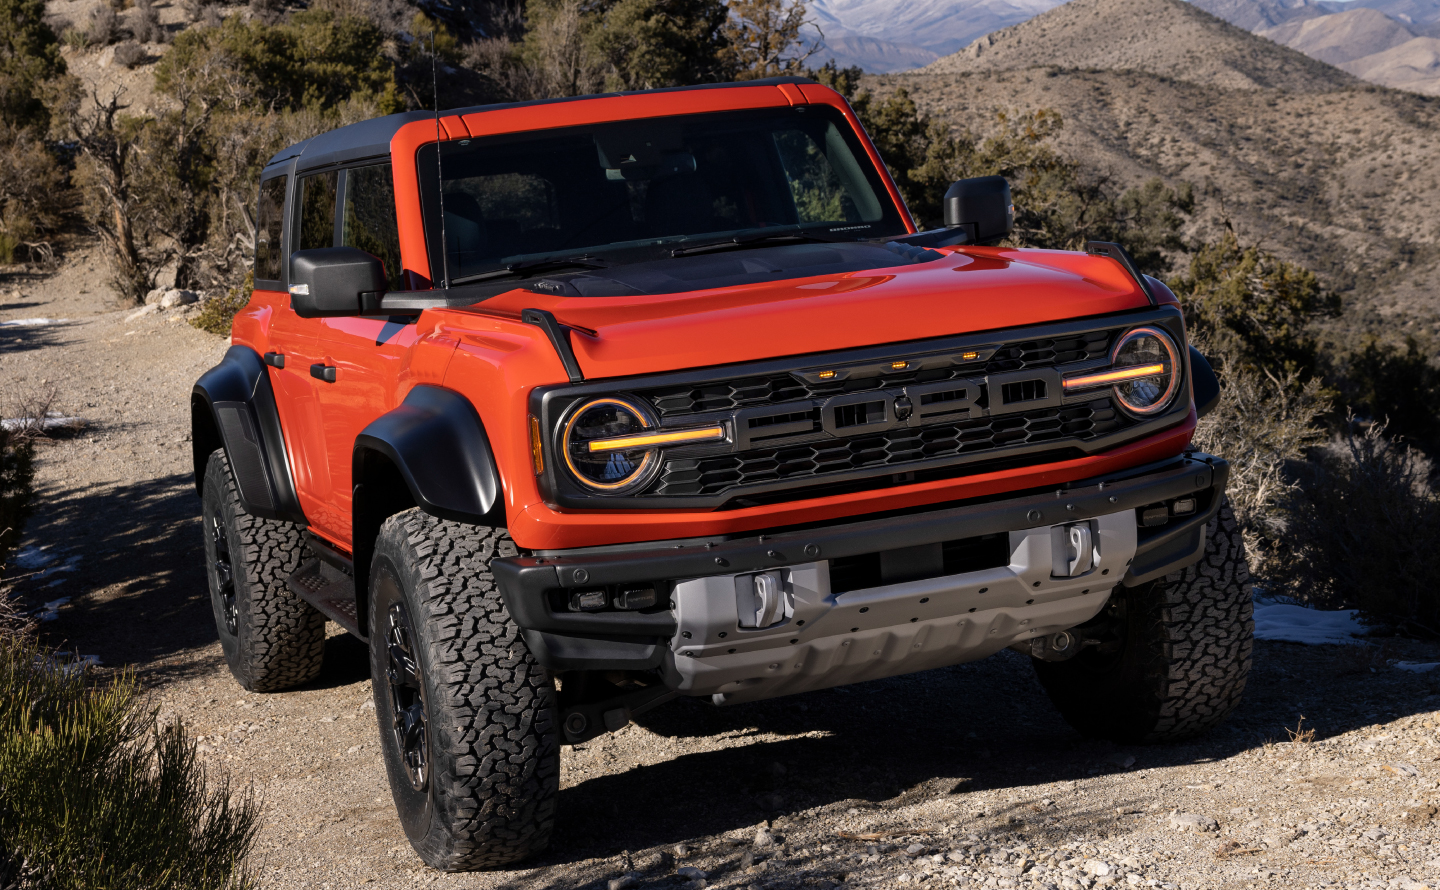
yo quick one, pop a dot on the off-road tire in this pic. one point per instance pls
(278, 640)
(491, 725)
(1185, 655)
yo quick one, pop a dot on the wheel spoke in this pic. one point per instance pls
(407, 697)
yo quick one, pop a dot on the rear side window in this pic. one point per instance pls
(369, 222)
(317, 210)
(268, 220)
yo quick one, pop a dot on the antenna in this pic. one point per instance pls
(439, 175)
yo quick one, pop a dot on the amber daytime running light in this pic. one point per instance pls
(612, 444)
(1144, 372)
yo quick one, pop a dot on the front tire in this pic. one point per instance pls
(468, 723)
(1184, 651)
(272, 639)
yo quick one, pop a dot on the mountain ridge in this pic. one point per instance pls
(1170, 38)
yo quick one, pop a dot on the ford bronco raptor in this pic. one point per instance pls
(568, 408)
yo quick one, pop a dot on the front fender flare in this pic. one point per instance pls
(437, 442)
(233, 406)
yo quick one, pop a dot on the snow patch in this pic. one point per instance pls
(51, 610)
(31, 322)
(1297, 624)
(33, 558)
(53, 422)
(1417, 667)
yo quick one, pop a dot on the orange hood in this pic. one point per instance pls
(968, 291)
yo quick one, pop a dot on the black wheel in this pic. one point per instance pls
(1178, 656)
(467, 717)
(272, 639)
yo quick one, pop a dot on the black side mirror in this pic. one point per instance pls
(329, 282)
(982, 207)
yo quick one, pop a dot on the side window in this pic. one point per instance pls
(370, 218)
(317, 210)
(268, 219)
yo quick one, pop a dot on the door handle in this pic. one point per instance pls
(275, 359)
(323, 372)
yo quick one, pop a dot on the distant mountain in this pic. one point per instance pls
(876, 56)
(1341, 37)
(939, 26)
(1413, 65)
(1255, 15)
(1165, 37)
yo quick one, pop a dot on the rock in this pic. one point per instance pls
(1403, 770)
(915, 849)
(763, 837)
(153, 297)
(690, 872)
(1375, 834)
(625, 881)
(1097, 868)
(143, 311)
(1193, 822)
(747, 859)
(1134, 880)
(176, 297)
(955, 856)
(1121, 759)
(1420, 813)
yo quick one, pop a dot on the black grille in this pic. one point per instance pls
(710, 476)
(772, 389)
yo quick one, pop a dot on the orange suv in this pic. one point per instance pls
(568, 408)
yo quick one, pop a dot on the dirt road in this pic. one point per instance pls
(957, 777)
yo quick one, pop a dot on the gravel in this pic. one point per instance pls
(962, 777)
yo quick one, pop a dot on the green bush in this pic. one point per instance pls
(94, 793)
(218, 314)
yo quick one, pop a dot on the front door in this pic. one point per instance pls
(363, 355)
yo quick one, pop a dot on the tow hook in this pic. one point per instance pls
(1061, 646)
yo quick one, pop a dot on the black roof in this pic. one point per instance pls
(370, 139)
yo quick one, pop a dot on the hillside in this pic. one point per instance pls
(1170, 38)
(1329, 171)
(1342, 37)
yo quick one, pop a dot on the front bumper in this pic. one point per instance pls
(568, 641)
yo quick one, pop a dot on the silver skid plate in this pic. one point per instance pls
(831, 639)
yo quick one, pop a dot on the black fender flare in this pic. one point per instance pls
(1204, 384)
(436, 440)
(429, 452)
(233, 406)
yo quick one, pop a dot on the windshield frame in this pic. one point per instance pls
(893, 221)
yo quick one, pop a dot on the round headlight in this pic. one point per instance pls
(608, 469)
(1153, 350)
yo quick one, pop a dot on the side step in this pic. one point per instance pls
(330, 591)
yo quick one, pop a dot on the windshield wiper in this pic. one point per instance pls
(530, 267)
(745, 240)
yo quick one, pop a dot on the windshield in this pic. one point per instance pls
(638, 189)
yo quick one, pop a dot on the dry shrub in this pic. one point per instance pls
(145, 24)
(1263, 425)
(218, 313)
(103, 26)
(129, 54)
(1362, 529)
(17, 473)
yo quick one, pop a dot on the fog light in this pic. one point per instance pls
(1150, 517)
(588, 600)
(635, 598)
(1182, 506)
